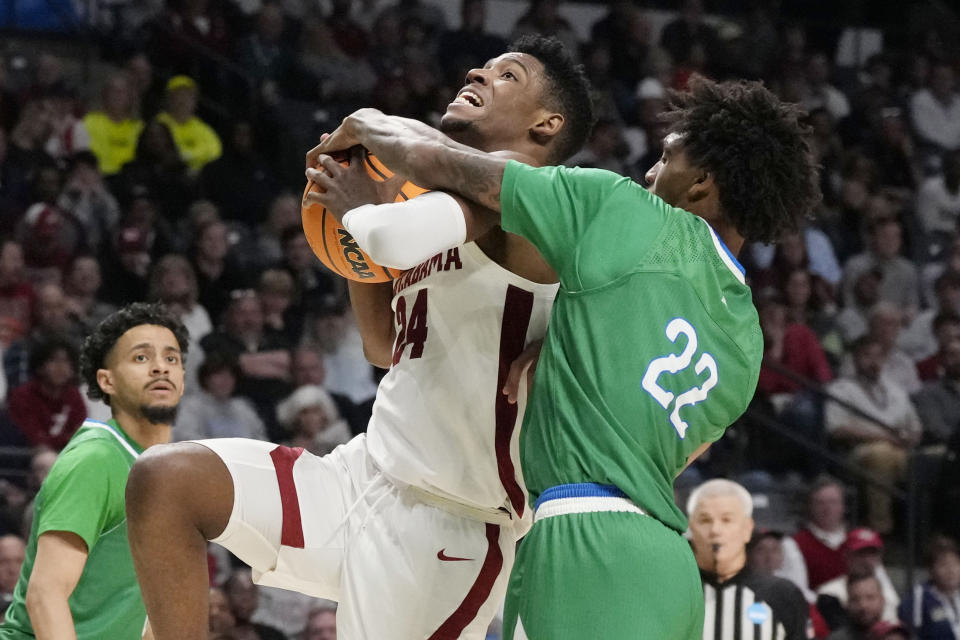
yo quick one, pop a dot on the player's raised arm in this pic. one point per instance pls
(423, 154)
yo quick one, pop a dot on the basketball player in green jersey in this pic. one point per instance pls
(653, 346)
(77, 579)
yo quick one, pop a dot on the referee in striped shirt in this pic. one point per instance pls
(739, 604)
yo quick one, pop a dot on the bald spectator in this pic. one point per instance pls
(899, 282)
(198, 143)
(935, 109)
(321, 623)
(244, 597)
(878, 445)
(115, 128)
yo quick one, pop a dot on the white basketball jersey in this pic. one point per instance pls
(440, 421)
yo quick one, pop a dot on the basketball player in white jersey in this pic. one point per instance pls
(412, 526)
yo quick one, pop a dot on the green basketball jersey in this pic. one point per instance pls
(653, 347)
(84, 494)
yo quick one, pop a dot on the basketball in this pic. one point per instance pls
(334, 245)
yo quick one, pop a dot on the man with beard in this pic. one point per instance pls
(77, 579)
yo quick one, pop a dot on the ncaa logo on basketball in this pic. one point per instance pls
(353, 255)
(758, 613)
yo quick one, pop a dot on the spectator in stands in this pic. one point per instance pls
(946, 327)
(49, 234)
(312, 421)
(885, 630)
(948, 259)
(821, 92)
(276, 290)
(543, 17)
(216, 276)
(81, 287)
(158, 167)
(935, 110)
(264, 359)
(852, 322)
(938, 402)
(819, 542)
(68, 135)
(17, 295)
(215, 411)
(681, 36)
(899, 279)
(865, 608)
(128, 265)
(12, 551)
(766, 555)
(174, 283)
(314, 281)
(322, 623)
(48, 408)
(307, 368)
(197, 141)
(885, 323)
(345, 81)
(920, 340)
(25, 149)
(263, 53)
(51, 319)
(241, 183)
(244, 597)
(891, 147)
(938, 200)
(114, 130)
(933, 610)
(222, 623)
(721, 525)
(878, 443)
(606, 148)
(86, 196)
(863, 550)
(459, 50)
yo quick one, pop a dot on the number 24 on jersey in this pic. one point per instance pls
(673, 363)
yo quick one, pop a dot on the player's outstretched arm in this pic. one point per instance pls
(423, 154)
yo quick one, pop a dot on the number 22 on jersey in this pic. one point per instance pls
(674, 363)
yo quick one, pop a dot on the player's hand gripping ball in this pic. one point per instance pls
(334, 245)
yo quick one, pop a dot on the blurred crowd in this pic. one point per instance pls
(170, 170)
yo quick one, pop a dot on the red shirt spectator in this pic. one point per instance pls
(17, 297)
(48, 408)
(801, 353)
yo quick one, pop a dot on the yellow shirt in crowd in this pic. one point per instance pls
(197, 141)
(114, 143)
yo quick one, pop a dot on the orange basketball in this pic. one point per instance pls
(334, 245)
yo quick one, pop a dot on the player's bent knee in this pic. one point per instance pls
(181, 481)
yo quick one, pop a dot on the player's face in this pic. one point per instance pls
(144, 373)
(720, 523)
(672, 175)
(500, 101)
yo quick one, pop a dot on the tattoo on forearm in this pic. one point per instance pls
(476, 177)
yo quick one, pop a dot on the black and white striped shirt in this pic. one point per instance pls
(750, 606)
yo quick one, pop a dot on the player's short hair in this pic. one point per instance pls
(757, 150)
(567, 91)
(720, 487)
(99, 344)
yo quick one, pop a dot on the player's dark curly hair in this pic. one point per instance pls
(97, 346)
(755, 147)
(567, 92)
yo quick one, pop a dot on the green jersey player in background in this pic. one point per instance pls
(653, 346)
(77, 579)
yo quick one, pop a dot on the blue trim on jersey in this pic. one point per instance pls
(729, 253)
(580, 490)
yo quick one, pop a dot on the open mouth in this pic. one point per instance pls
(469, 98)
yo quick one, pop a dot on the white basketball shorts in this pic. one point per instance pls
(335, 527)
